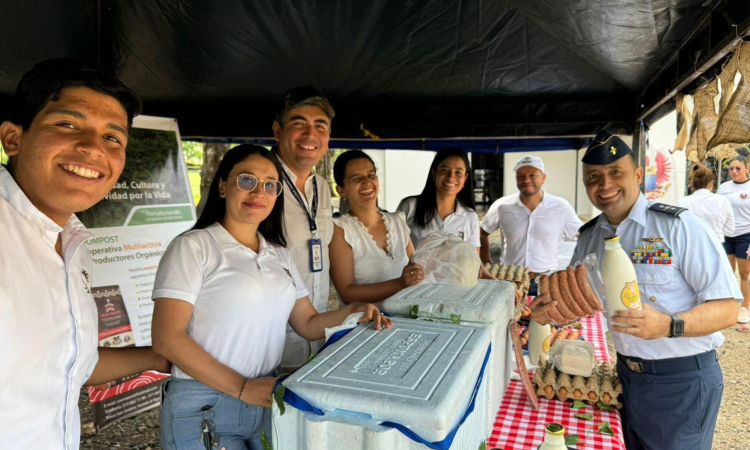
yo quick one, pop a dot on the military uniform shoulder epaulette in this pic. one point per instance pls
(673, 211)
(588, 224)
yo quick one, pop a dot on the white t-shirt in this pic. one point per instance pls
(464, 223)
(371, 263)
(532, 238)
(738, 195)
(48, 324)
(242, 300)
(714, 209)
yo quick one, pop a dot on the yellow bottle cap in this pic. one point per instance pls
(613, 238)
(555, 429)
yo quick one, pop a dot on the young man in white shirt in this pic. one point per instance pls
(66, 142)
(302, 130)
(533, 222)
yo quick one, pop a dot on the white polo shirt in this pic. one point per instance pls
(298, 237)
(738, 195)
(713, 208)
(48, 324)
(463, 222)
(241, 300)
(532, 238)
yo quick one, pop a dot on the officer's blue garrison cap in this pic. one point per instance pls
(605, 149)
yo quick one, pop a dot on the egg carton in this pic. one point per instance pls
(603, 385)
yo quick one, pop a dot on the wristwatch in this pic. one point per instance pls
(677, 328)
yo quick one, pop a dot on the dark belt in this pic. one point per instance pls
(671, 365)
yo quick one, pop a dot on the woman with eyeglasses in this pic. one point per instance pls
(446, 202)
(736, 244)
(223, 294)
(372, 247)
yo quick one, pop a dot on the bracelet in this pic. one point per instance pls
(244, 382)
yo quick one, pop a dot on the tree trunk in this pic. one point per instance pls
(212, 155)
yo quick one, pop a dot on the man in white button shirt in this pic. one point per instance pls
(66, 142)
(533, 222)
(302, 130)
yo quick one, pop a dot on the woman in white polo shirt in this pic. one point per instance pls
(736, 244)
(224, 293)
(714, 209)
(446, 202)
(372, 247)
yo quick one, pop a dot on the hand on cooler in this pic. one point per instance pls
(258, 391)
(372, 313)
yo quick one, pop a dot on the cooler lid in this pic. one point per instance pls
(482, 303)
(418, 374)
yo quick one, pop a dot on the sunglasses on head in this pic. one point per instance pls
(248, 183)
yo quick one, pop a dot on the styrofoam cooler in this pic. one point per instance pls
(489, 304)
(417, 374)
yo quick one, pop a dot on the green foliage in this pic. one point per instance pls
(264, 442)
(278, 395)
(194, 177)
(585, 416)
(603, 406)
(482, 446)
(605, 429)
(577, 404)
(193, 152)
(571, 439)
(456, 319)
(3, 156)
(413, 311)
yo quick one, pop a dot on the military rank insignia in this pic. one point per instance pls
(652, 252)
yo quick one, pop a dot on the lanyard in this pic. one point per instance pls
(293, 189)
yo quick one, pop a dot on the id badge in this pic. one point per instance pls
(316, 255)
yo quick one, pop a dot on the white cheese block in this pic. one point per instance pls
(418, 374)
(489, 304)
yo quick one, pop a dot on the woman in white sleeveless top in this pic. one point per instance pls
(370, 249)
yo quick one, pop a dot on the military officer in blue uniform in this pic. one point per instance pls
(667, 361)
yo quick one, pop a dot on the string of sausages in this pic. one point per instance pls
(571, 290)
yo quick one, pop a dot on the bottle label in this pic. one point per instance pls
(545, 345)
(631, 296)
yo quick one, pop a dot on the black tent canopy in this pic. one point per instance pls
(406, 69)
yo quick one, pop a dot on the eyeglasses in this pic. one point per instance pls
(732, 169)
(248, 183)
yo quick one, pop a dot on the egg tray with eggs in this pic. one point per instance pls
(602, 385)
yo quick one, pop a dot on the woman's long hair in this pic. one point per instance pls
(272, 228)
(427, 201)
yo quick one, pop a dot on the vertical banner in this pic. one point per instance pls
(150, 205)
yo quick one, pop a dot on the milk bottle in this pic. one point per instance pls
(618, 276)
(554, 439)
(538, 342)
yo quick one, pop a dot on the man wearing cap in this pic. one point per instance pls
(666, 360)
(302, 130)
(533, 222)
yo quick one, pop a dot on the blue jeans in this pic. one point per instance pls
(237, 424)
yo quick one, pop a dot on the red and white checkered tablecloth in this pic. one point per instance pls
(519, 427)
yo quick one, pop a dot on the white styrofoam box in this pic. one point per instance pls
(418, 374)
(489, 304)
